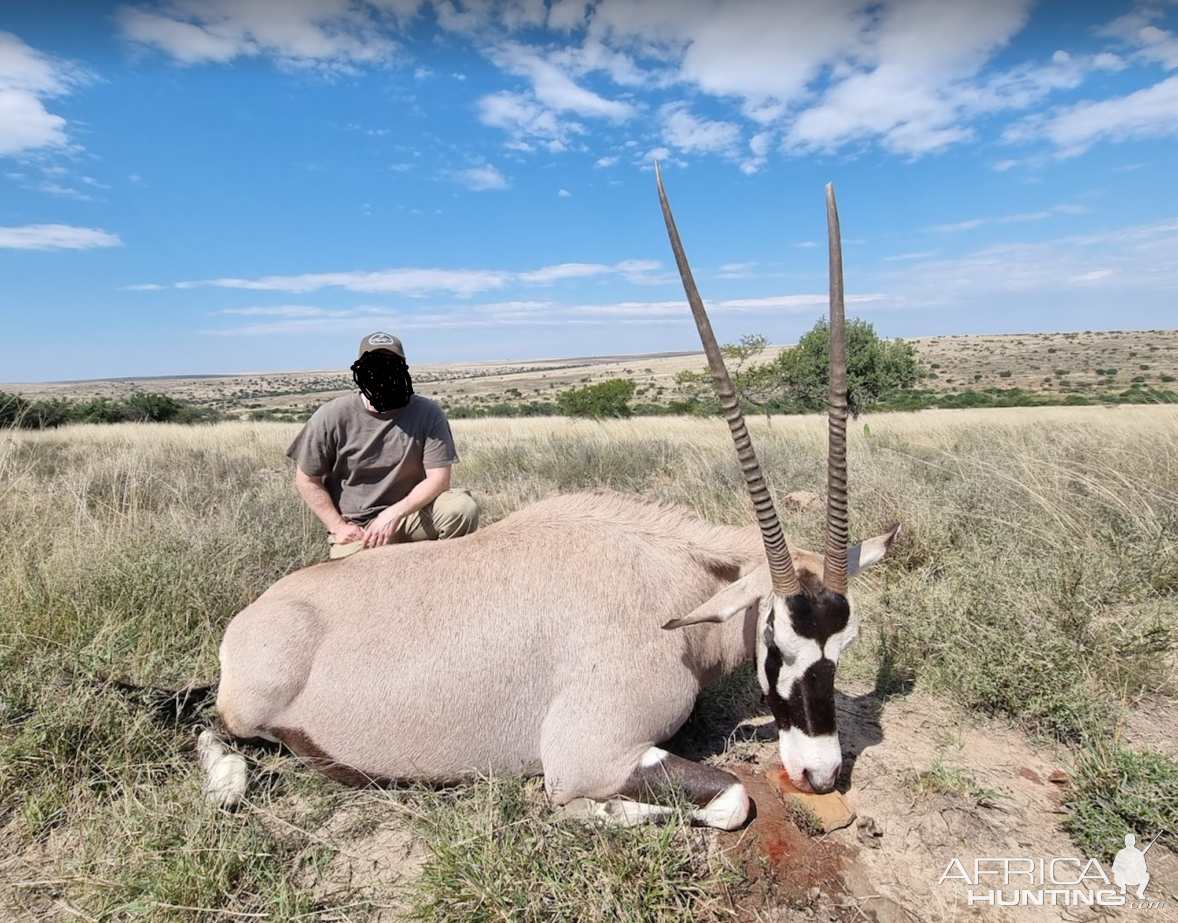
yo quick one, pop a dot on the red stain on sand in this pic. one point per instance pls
(783, 859)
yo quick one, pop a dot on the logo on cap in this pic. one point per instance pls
(380, 339)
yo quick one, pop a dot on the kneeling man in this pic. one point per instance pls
(374, 466)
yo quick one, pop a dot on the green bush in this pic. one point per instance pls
(606, 399)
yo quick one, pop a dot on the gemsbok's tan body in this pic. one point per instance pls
(569, 639)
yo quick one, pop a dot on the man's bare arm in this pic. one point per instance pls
(314, 493)
(381, 530)
(437, 482)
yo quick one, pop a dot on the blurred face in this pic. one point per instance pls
(383, 378)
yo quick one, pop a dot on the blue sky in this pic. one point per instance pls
(202, 186)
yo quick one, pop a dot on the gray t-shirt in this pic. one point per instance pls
(370, 460)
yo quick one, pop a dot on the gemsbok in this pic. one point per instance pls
(570, 639)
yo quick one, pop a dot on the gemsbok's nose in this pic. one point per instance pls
(822, 786)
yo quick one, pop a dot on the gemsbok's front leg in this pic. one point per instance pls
(659, 780)
(720, 798)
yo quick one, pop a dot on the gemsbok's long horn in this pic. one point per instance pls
(781, 567)
(835, 569)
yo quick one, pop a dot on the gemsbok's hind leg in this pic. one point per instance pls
(660, 777)
(225, 778)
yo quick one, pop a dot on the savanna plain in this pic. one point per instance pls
(1013, 692)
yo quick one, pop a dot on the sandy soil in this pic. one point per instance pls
(885, 866)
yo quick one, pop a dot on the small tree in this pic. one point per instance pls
(13, 409)
(49, 413)
(158, 408)
(874, 367)
(755, 384)
(98, 410)
(605, 399)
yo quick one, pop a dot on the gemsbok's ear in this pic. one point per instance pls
(734, 599)
(862, 556)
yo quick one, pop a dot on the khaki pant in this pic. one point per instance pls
(452, 514)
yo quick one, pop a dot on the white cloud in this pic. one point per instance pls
(737, 271)
(285, 310)
(916, 82)
(1148, 113)
(550, 274)
(522, 117)
(912, 76)
(779, 303)
(335, 34)
(643, 272)
(563, 193)
(554, 88)
(967, 225)
(606, 161)
(412, 282)
(759, 146)
(904, 257)
(1108, 62)
(760, 52)
(1019, 218)
(549, 109)
(565, 15)
(689, 133)
(907, 74)
(27, 78)
(481, 179)
(1139, 256)
(790, 302)
(55, 237)
(1148, 41)
(463, 283)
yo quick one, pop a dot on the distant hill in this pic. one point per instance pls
(1088, 363)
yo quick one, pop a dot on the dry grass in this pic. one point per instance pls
(1036, 577)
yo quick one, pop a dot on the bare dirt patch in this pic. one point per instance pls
(930, 783)
(1152, 724)
(367, 847)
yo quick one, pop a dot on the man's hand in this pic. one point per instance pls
(382, 529)
(347, 533)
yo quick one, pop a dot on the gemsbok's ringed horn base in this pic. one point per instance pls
(540, 644)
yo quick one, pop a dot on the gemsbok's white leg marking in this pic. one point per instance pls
(652, 757)
(225, 778)
(727, 811)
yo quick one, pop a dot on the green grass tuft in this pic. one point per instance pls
(1118, 791)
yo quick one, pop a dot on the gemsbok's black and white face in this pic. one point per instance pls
(808, 619)
(797, 654)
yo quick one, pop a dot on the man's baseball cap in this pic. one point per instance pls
(385, 341)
